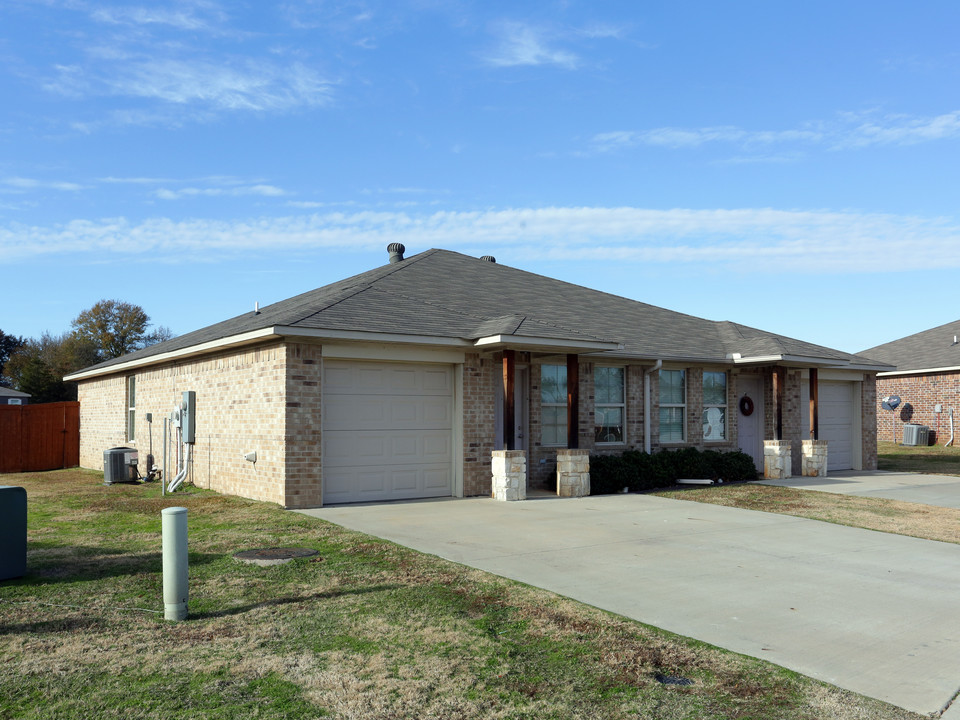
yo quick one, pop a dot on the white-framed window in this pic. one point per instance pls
(131, 408)
(673, 405)
(553, 404)
(609, 404)
(14, 401)
(714, 406)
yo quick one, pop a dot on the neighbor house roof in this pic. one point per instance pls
(444, 298)
(930, 351)
(10, 392)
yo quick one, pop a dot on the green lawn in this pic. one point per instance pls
(935, 459)
(367, 629)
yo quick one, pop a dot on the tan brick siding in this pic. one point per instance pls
(480, 375)
(921, 393)
(303, 431)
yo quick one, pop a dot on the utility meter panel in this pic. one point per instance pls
(188, 416)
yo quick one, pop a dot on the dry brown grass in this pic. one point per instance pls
(890, 516)
(366, 630)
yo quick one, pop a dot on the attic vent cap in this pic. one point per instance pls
(489, 258)
(396, 251)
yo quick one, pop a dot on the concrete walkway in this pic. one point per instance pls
(874, 613)
(939, 490)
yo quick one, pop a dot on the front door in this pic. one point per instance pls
(750, 427)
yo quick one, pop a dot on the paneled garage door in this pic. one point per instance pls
(836, 422)
(387, 431)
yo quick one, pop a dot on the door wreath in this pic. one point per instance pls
(746, 406)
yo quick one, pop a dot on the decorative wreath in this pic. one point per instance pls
(746, 406)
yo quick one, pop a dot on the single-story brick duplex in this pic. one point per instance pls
(926, 374)
(401, 381)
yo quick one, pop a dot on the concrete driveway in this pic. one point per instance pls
(940, 490)
(875, 613)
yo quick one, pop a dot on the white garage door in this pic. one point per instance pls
(835, 420)
(387, 431)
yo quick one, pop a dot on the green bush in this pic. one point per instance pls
(638, 470)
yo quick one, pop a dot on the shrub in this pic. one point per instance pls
(638, 470)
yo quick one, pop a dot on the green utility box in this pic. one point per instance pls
(13, 532)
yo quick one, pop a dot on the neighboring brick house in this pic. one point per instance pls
(9, 396)
(926, 376)
(401, 381)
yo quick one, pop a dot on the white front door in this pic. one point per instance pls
(750, 427)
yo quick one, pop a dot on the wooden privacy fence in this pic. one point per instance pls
(39, 437)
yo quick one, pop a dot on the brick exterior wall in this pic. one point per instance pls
(868, 409)
(919, 395)
(303, 434)
(480, 375)
(241, 407)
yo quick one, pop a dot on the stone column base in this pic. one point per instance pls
(509, 475)
(814, 458)
(777, 462)
(573, 473)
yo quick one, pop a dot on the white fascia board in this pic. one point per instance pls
(924, 371)
(738, 359)
(537, 342)
(214, 345)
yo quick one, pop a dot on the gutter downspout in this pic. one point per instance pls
(646, 404)
(950, 441)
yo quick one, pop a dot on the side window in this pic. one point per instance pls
(609, 407)
(131, 408)
(673, 405)
(714, 406)
(553, 404)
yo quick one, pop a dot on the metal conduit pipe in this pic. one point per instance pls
(646, 404)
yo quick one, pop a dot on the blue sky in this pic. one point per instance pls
(788, 165)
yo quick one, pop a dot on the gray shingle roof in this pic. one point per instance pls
(10, 392)
(444, 294)
(927, 350)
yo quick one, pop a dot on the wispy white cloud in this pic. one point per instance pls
(262, 190)
(182, 16)
(729, 240)
(523, 44)
(22, 184)
(847, 131)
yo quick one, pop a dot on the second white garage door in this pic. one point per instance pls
(835, 420)
(387, 431)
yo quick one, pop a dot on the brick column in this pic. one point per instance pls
(777, 464)
(509, 475)
(573, 473)
(814, 463)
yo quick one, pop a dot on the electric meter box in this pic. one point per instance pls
(188, 416)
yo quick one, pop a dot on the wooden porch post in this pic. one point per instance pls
(814, 405)
(509, 410)
(573, 402)
(779, 376)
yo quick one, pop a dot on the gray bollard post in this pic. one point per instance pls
(175, 586)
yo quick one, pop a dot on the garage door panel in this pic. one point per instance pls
(376, 484)
(383, 412)
(835, 420)
(387, 431)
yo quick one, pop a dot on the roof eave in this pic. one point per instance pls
(519, 342)
(921, 371)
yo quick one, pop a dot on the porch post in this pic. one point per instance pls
(573, 402)
(509, 410)
(779, 377)
(814, 405)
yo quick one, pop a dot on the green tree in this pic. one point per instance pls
(9, 344)
(38, 366)
(116, 328)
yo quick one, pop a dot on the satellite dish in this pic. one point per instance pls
(890, 402)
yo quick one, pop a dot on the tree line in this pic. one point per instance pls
(107, 330)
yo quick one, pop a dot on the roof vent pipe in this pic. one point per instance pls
(489, 258)
(396, 251)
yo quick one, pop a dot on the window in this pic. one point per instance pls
(608, 404)
(553, 404)
(131, 408)
(673, 405)
(714, 406)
